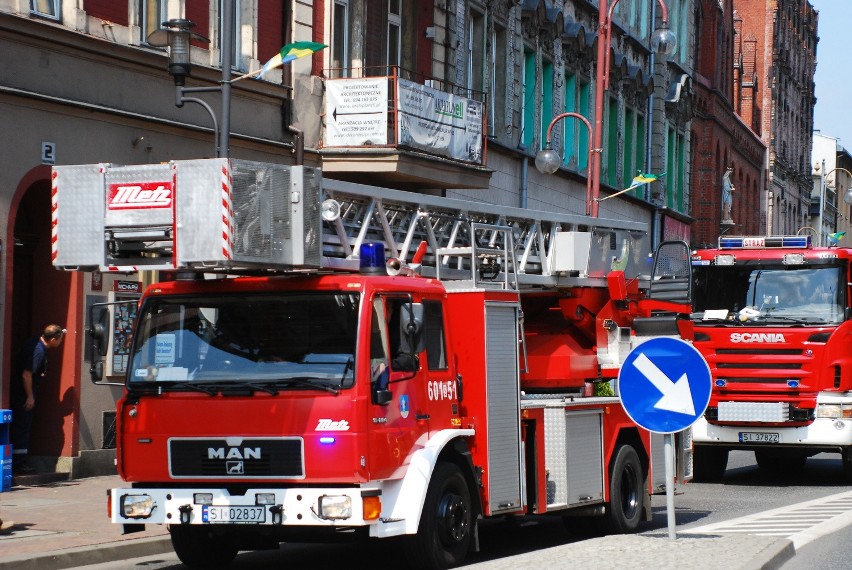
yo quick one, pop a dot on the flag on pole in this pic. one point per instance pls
(643, 178)
(288, 53)
(638, 180)
(835, 237)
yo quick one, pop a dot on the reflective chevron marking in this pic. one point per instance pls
(801, 523)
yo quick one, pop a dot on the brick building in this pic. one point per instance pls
(720, 137)
(775, 57)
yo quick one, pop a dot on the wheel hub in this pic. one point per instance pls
(453, 519)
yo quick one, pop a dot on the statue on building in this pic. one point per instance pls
(727, 197)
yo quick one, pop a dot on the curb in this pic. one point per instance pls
(92, 554)
(773, 556)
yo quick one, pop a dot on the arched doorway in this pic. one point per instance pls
(41, 295)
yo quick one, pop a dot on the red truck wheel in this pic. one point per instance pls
(624, 510)
(446, 525)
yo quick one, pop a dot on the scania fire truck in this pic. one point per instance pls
(772, 320)
(332, 360)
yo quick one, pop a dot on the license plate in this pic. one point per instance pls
(759, 437)
(238, 515)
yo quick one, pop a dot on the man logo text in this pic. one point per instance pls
(233, 453)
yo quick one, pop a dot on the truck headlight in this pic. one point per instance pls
(335, 507)
(834, 411)
(137, 506)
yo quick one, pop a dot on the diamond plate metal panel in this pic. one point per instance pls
(754, 411)
(78, 216)
(556, 460)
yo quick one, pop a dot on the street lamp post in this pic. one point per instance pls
(176, 35)
(847, 196)
(547, 160)
(663, 40)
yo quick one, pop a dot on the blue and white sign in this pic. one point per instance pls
(664, 385)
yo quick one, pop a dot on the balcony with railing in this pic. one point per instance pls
(392, 127)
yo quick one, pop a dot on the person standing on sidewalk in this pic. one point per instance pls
(29, 371)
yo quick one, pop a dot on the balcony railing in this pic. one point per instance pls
(395, 108)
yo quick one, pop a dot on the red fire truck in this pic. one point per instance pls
(771, 319)
(336, 360)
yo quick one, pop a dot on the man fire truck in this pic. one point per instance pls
(386, 363)
(771, 319)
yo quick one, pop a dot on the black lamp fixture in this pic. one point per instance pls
(176, 34)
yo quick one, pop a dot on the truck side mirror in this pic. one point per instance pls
(96, 371)
(382, 397)
(411, 327)
(99, 329)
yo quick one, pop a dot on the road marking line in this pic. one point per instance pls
(801, 522)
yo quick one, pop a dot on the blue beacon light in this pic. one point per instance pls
(372, 257)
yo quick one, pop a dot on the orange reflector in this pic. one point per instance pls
(109, 506)
(372, 508)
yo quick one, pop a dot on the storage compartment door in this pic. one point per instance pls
(504, 432)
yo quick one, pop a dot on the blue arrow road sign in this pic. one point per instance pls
(664, 385)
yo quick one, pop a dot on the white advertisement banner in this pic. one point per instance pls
(439, 123)
(356, 112)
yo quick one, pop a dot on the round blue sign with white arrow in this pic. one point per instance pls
(664, 385)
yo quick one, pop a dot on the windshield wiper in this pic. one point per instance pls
(797, 320)
(235, 387)
(307, 382)
(210, 389)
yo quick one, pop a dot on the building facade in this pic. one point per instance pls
(84, 81)
(774, 95)
(721, 138)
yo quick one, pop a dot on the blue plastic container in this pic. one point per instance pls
(5, 450)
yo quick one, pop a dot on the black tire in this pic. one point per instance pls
(199, 547)
(446, 525)
(626, 485)
(846, 457)
(779, 464)
(709, 463)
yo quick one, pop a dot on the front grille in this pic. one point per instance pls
(759, 365)
(215, 458)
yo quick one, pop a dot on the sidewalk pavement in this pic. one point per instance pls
(53, 523)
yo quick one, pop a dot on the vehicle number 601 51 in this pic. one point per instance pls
(442, 390)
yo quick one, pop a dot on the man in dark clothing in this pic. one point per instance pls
(29, 371)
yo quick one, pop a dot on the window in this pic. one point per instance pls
(612, 142)
(152, 15)
(546, 97)
(528, 104)
(394, 49)
(236, 50)
(675, 175)
(629, 149)
(497, 92)
(476, 52)
(340, 39)
(576, 138)
(433, 332)
(46, 8)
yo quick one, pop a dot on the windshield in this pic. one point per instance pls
(286, 340)
(769, 294)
